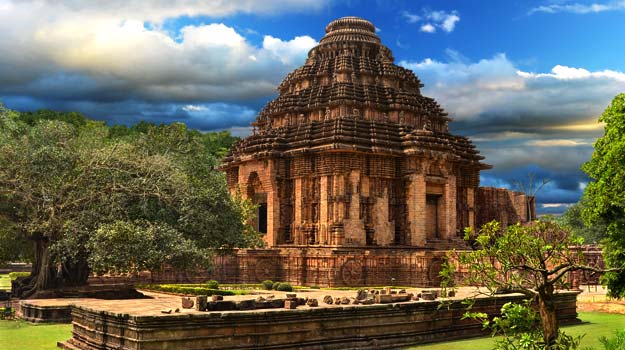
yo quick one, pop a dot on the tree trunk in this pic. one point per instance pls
(549, 321)
(45, 277)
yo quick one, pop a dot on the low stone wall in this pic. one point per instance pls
(380, 326)
(45, 313)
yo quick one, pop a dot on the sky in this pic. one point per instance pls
(525, 80)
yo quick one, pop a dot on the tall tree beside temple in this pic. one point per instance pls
(606, 193)
(93, 201)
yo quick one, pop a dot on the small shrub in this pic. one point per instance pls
(284, 287)
(212, 284)
(275, 285)
(267, 284)
(15, 275)
(615, 343)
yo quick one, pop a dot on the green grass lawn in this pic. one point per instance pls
(5, 282)
(595, 324)
(20, 335)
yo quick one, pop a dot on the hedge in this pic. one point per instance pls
(181, 289)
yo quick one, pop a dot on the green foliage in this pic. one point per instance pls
(614, 343)
(267, 284)
(532, 259)
(15, 246)
(212, 284)
(121, 199)
(275, 285)
(605, 194)
(15, 275)
(573, 221)
(191, 290)
(284, 287)
(519, 326)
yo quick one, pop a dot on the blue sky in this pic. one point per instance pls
(526, 80)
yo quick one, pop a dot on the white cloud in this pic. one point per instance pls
(158, 10)
(445, 21)
(495, 90)
(580, 8)
(410, 17)
(428, 28)
(289, 52)
(46, 45)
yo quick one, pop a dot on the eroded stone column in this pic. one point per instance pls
(416, 209)
(297, 211)
(354, 226)
(449, 228)
(323, 211)
(384, 229)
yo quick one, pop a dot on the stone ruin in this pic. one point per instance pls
(351, 157)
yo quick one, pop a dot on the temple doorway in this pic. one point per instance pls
(431, 216)
(258, 196)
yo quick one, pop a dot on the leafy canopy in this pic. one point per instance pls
(123, 199)
(605, 194)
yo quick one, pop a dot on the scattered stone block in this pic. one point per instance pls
(337, 300)
(246, 304)
(177, 310)
(312, 302)
(451, 293)
(402, 291)
(276, 303)
(368, 301)
(217, 297)
(383, 291)
(328, 300)
(344, 301)
(291, 295)
(355, 301)
(290, 304)
(361, 294)
(416, 297)
(399, 298)
(222, 305)
(427, 296)
(383, 298)
(166, 311)
(200, 302)
(187, 303)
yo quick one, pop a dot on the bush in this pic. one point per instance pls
(275, 285)
(284, 287)
(172, 288)
(615, 343)
(212, 284)
(267, 284)
(15, 275)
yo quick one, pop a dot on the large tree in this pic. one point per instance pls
(532, 259)
(93, 199)
(605, 194)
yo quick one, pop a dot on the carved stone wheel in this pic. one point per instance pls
(436, 265)
(265, 269)
(351, 272)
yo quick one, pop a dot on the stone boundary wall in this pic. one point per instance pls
(324, 267)
(506, 206)
(380, 326)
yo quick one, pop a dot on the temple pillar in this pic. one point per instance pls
(449, 203)
(384, 229)
(471, 207)
(354, 226)
(323, 211)
(273, 206)
(297, 212)
(415, 199)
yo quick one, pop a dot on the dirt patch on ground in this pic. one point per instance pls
(594, 299)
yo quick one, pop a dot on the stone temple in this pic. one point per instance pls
(356, 175)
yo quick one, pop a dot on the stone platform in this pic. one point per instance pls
(139, 325)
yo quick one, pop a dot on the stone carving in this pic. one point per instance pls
(351, 272)
(265, 269)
